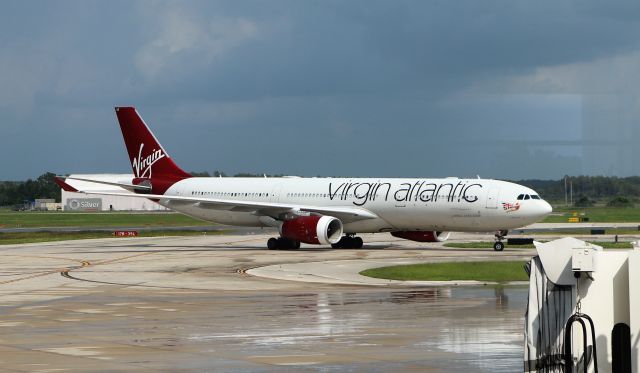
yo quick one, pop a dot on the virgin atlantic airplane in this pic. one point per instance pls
(324, 211)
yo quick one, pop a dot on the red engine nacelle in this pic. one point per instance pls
(420, 236)
(324, 230)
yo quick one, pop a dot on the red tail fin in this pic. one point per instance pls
(148, 159)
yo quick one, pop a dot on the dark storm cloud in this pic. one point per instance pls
(379, 88)
(325, 48)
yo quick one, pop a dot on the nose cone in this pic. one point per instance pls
(543, 209)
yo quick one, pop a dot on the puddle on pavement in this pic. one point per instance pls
(461, 329)
(458, 329)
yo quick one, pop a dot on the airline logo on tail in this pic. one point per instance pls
(146, 155)
(142, 166)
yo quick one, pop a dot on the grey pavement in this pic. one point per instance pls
(223, 303)
(187, 304)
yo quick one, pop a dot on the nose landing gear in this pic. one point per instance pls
(500, 235)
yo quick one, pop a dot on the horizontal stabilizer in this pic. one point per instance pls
(66, 187)
(130, 187)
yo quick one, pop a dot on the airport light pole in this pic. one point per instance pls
(571, 192)
(566, 201)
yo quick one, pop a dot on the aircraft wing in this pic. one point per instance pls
(277, 211)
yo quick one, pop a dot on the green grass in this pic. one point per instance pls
(595, 214)
(35, 237)
(613, 245)
(479, 271)
(489, 245)
(31, 219)
(587, 231)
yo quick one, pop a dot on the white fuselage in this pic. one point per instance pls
(449, 204)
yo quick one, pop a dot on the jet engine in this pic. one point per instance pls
(420, 236)
(324, 230)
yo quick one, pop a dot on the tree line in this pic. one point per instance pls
(18, 192)
(586, 190)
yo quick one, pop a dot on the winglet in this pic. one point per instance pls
(66, 187)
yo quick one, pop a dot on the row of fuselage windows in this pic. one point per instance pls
(307, 195)
(227, 194)
(527, 196)
(236, 194)
(297, 195)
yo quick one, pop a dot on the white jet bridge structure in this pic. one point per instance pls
(583, 313)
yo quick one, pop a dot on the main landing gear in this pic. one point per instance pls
(282, 243)
(349, 241)
(500, 235)
(346, 242)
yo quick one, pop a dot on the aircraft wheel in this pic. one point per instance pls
(287, 244)
(348, 242)
(272, 243)
(344, 242)
(498, 246)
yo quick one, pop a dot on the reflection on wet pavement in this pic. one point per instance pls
(468, 329)
(432, 330)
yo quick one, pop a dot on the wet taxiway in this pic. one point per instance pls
(187, 305)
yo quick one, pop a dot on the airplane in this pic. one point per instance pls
(323, 210)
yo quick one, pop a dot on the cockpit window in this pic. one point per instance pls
(535, 196)
(526, 196)
(520, 197)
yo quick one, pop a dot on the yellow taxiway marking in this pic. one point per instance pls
(85, 263)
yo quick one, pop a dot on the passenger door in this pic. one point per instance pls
(275, 194)
(492, 198)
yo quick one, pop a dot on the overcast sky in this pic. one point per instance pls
(502, 89)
